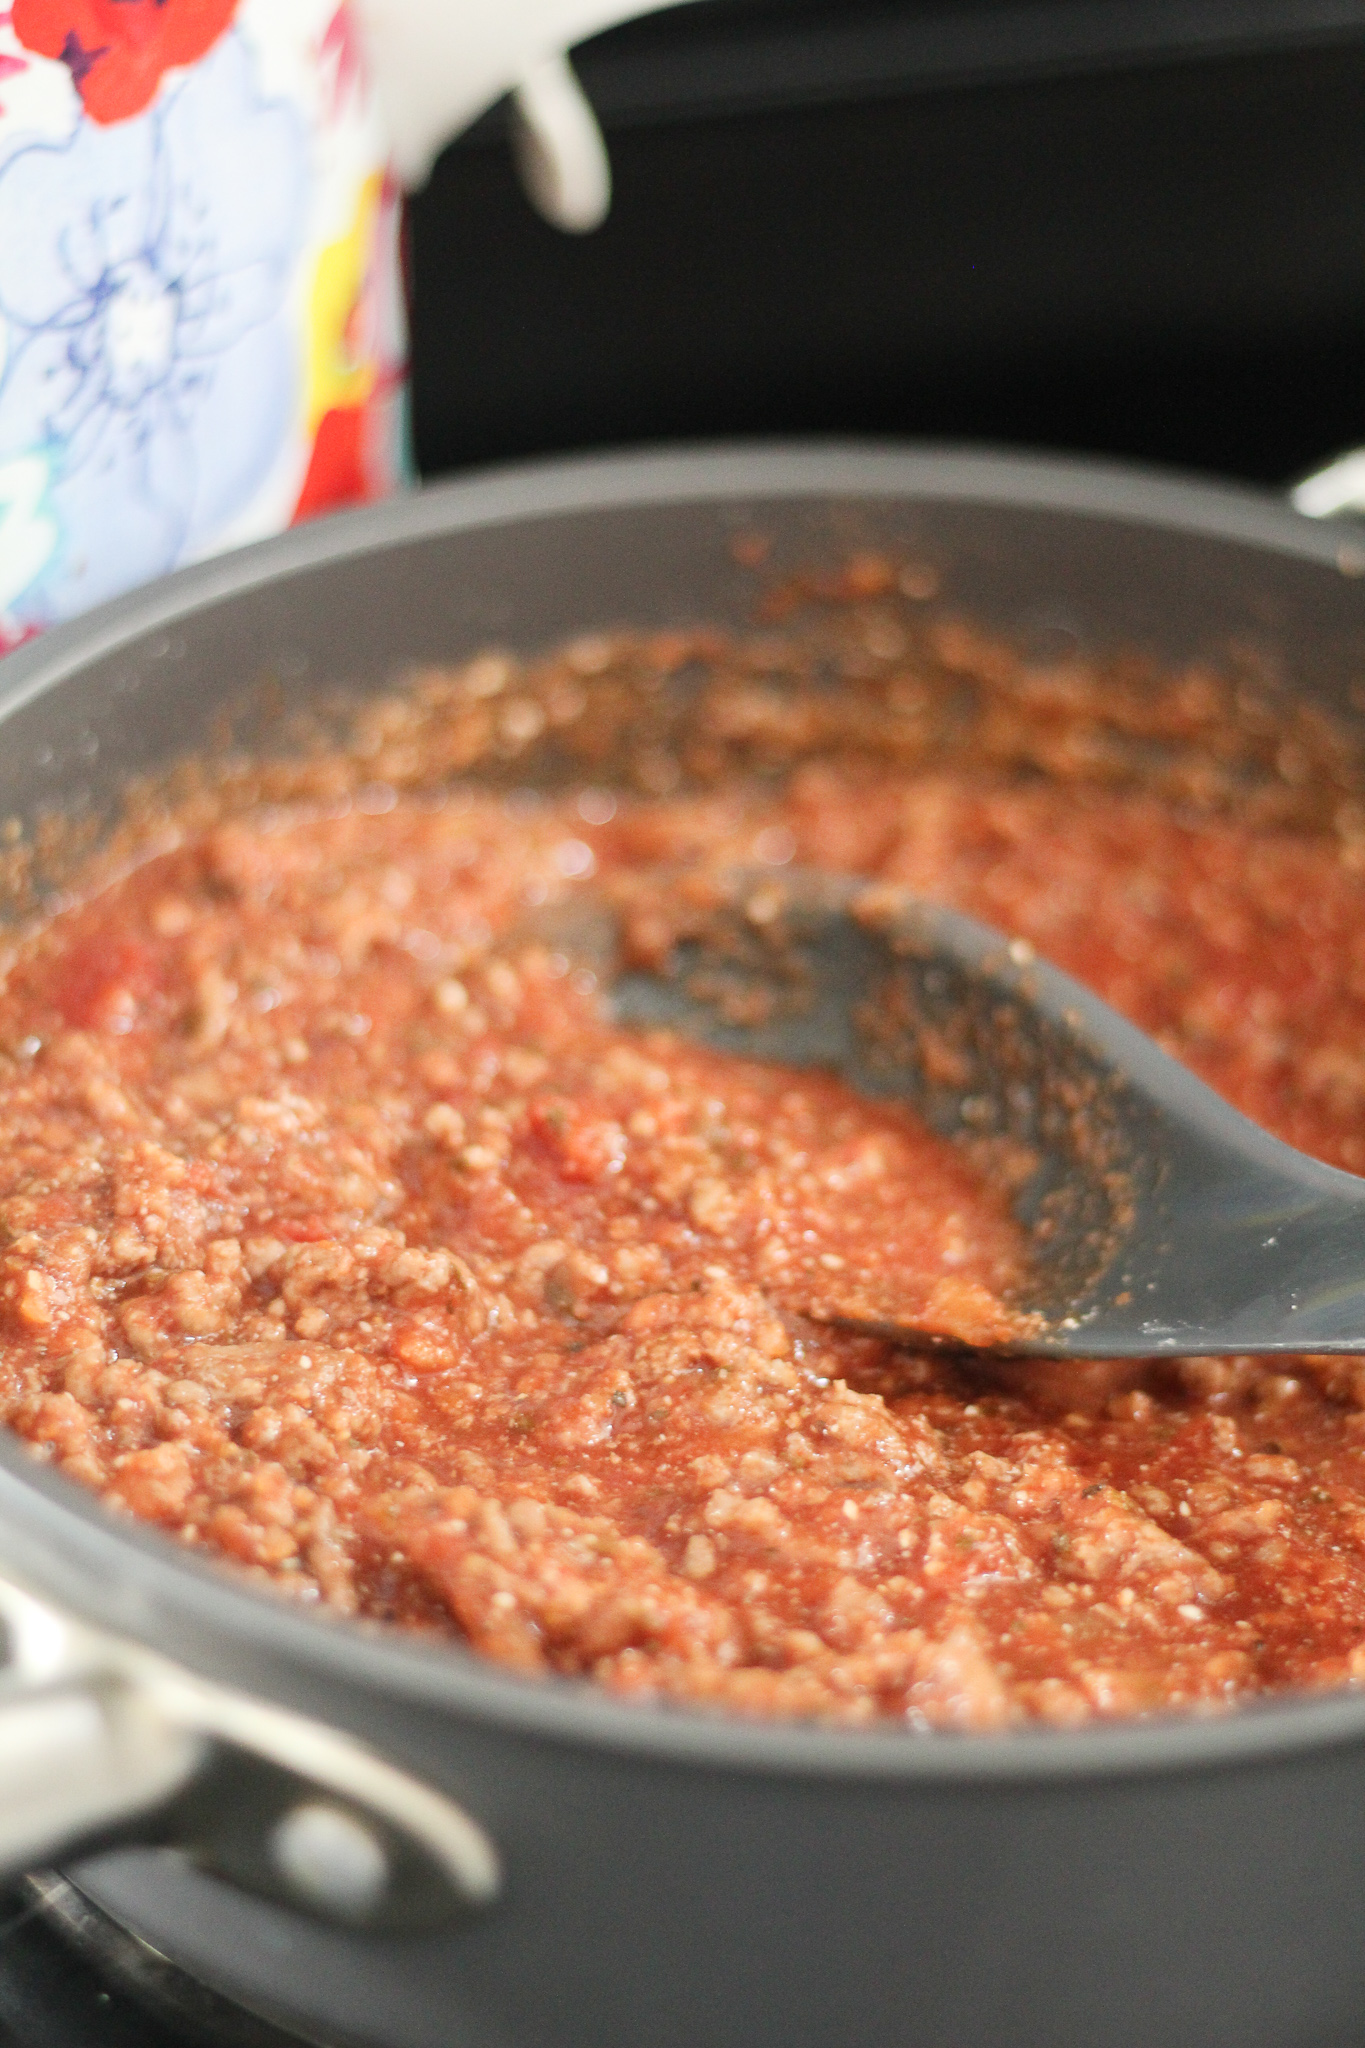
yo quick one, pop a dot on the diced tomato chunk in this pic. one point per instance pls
(103, 984)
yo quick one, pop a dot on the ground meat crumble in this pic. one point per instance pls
(346, 1237)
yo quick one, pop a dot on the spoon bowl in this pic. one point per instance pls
(1160, 1221)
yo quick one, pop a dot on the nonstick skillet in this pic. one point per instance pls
(376, 1841)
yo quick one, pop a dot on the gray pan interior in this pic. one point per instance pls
(676, 1880)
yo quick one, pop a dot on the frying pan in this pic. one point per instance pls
(559, 1869)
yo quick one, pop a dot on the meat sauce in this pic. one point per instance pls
(346, 1237)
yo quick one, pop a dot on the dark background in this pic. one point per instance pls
(1110, 225)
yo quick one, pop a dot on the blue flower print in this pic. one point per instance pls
(151, 362)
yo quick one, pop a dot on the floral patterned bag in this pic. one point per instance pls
(201, 318)
(202, 331)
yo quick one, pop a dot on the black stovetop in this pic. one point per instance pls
(72, 1989)
(51, 1998)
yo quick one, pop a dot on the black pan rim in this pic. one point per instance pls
(62, 1542)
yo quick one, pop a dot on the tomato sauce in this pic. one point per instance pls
(347, 1238)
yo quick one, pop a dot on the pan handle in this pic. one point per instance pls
(103, 1742)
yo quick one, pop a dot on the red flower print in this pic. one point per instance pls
(10, 67)
(116, 50)
(352, 460)
(342, 55)
(336, 469)
(15, 636)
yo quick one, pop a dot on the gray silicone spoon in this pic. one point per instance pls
(1161, 1220)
